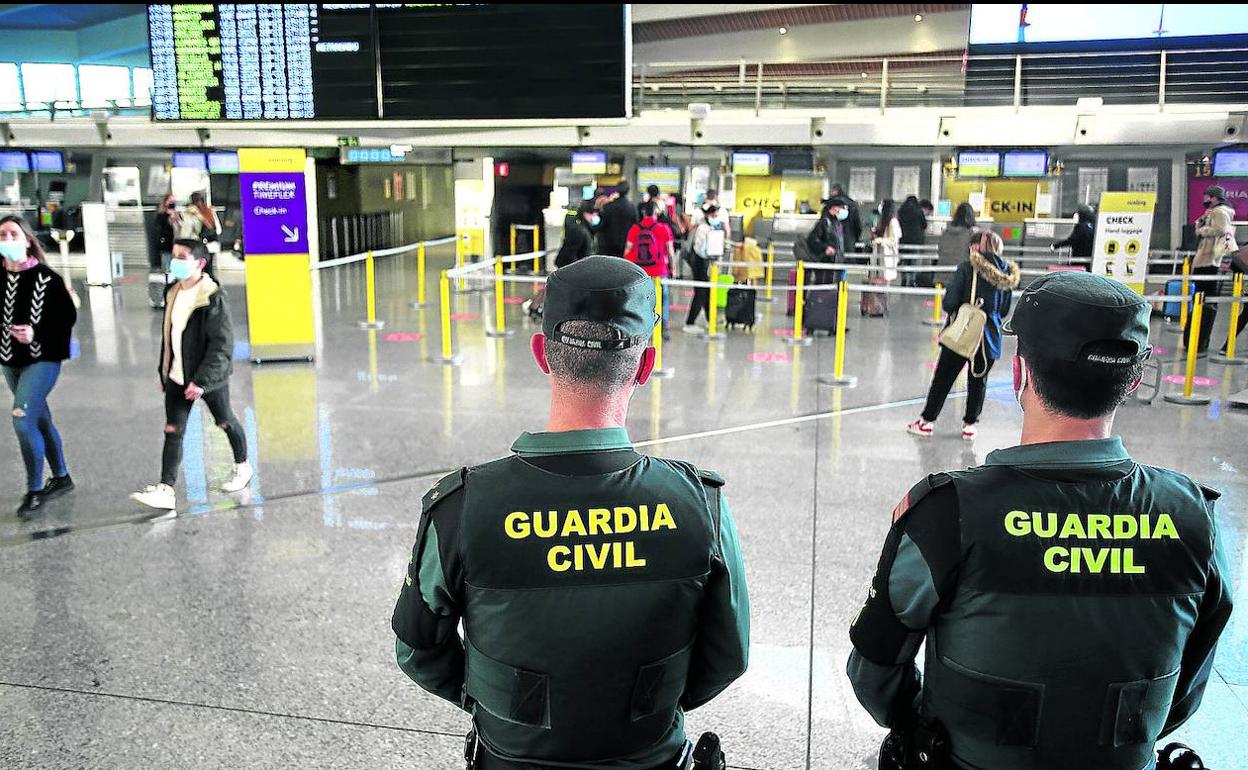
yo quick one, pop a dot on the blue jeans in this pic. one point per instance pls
(32, 419)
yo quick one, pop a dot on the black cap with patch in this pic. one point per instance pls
(1062, 313)
(605, 290)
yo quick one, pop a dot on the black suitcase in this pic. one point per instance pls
(820, 312)
(740, 310)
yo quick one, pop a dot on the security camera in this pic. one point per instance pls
(1231, 130)
(584, 133)
(699, 110)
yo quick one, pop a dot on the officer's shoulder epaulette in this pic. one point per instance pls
(446, 486)
(918, 492)
(710, 477)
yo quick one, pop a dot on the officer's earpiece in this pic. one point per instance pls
(1020, 379)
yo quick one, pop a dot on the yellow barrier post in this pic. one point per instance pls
(513, 247)
(1188, 397)
(712, 310)
(420, 277)
(500, 329)
(937, 318)
(657, 339)
(444, 295)
(771, 269)
(461, 250)
(839, 378)
(799, 309)
(1183, 311)
(537, 259)
(370, 290)
(1232, 336)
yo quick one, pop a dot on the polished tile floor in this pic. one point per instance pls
(253, 631)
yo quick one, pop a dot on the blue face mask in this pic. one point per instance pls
(181, 268)
(13, 251)
(595, 220)
(842, 215)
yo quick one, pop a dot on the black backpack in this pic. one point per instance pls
(647, 247)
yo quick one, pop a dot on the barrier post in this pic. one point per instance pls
(444, 295)
(513, 247)
(1188, 397)
(500, 329)
(1183, 311)
(712, 310)
(771, 268)
(936, 319)
(370, 289)
(657, 340)
(420, 278)
(799, 309)
(537, 258)
(839, 379)
(461, 249)
(1232, 336)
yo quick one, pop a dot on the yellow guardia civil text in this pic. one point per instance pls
(1076, 559)
(616, 553)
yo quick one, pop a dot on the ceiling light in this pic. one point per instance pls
(918, 17)
(784, 30)
(865, 76)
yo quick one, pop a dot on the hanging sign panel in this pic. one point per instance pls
(1123, 229)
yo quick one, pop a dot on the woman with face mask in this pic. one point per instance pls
(161, 232)
(37, 316)
(986, 279)
(196, 360)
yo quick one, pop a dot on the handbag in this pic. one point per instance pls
(965, 333)
(1239, 259)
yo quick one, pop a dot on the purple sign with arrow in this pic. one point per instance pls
(275, 213)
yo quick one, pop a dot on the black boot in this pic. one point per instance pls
(57, 486)
(31, 504)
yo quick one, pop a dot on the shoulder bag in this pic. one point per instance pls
(965, 333)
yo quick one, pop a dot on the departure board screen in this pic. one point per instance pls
(307, 61)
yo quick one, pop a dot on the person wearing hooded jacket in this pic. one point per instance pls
(997, 278)
(1216, 230)
(1083, 237)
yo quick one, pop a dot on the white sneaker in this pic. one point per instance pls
(968, 432)
(241, 478)
(920, 427)
(159, 496)
(692, 329)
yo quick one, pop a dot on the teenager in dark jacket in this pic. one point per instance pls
(853, 220)
(1083, 237)
(161, 233)
(578, 238)
(37, 316)
(828, 240)
(618, 217)
(994, 279)
(196, 360)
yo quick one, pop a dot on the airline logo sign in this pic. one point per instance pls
(1123, 230)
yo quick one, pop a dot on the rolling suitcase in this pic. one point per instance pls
(1173, 310)
(819, 313)
(740, 310)
(875, 304)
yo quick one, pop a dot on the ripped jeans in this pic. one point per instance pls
(32, 419)
(178, 411)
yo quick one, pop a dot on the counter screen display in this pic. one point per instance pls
(979, 164)
(1230, 163)
(48, 162)
(1025, 164)
(14, 161)
(190, 160)
(589, 163)
(751, 163)
(666, 178)
(340, 61)
(222, 163)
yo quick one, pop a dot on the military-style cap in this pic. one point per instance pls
(606, 290)
(1063, 313)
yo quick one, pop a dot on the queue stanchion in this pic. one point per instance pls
(936, 319)
(461, 249)
(839, 379)
(657, 340)
(500, 329)
(370, 289)
(1188, 397)
(420, 278)
(513, 247)
(448, 356)
(1232, 336)
(770, 275)
(1183, 310)
(712, 307)
(799, 309)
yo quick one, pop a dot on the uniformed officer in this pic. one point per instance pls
(1070, 598)
(602, 591)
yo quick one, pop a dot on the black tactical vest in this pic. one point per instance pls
(1061, 647)
(582, 597)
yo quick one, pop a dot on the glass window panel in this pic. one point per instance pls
(102, 84)
(45, 83)
(10, 94)
(142, 87)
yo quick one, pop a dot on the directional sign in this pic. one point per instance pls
(1123, 228)
(275, 213)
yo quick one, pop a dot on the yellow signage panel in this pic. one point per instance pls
(271, 159)
(1128, 202)
(279, 301)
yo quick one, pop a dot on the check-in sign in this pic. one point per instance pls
(275, 213)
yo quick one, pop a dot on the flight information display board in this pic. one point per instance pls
(340, 61)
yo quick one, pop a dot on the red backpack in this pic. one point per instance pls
(647, 247)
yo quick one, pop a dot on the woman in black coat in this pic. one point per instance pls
(1082, 238)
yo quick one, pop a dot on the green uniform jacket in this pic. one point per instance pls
(1070, 600)
(602, 594)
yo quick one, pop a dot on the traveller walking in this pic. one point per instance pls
(1083, 237)
(652, 247)
(710, 239)
(618, 217)
(886, 241)
(1216, 230)
(162, 230)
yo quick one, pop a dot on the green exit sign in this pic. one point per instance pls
(348, 141)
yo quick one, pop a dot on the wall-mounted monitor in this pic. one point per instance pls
(222, 163)
(47, 161)
(1014, 23)
(14, 161)
(190, 160)
(666, 178)
(1230, 163)
(1025, 163)
(982, 164)
(751, 163)
(589, 163)
(389, 61)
